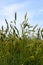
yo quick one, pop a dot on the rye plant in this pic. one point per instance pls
(24, 50)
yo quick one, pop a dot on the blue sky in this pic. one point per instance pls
(34, 8)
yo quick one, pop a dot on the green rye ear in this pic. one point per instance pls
(35, 26)
(7, 24)
(15, 17)
(38, 34)
(7, 27)
(42, 32)
(16, 30)
(2, 28)
(26, 15)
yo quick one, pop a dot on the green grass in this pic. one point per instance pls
(26, 52)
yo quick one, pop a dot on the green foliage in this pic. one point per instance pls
(24, 50)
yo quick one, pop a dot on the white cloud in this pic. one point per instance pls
(41, 10)
(8, 10)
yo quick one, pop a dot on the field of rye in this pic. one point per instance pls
(26, 49)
